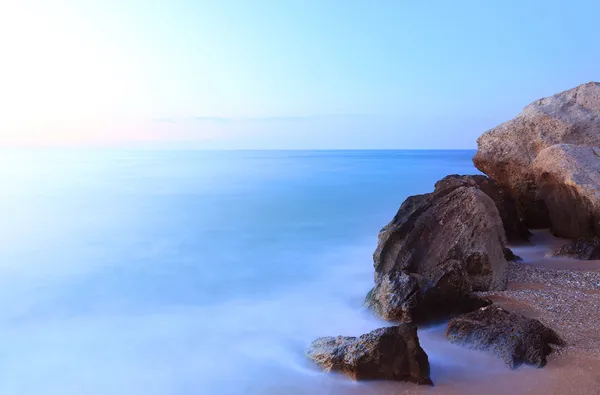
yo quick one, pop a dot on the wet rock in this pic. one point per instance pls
(582, 248)
(568, 181)
(513, 337)
(391, 353)
(437, 250)
(506, 153)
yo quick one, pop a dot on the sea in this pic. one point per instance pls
(188, 272)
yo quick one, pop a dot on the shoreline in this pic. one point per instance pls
(446, 251)
(559, 292)
(563, 294)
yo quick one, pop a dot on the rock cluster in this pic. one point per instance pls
(441, 247)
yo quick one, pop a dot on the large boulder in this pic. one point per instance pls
(513, 337)
(391, 353)
(437, 250)
(506, 153)
(568, 181)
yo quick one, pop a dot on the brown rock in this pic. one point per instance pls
(391, 353)
(506, 153)
(437, 250)
(514, 228)
(513, 337)
(582, 248)
(568, 180)
(410, 298)
(510, 256)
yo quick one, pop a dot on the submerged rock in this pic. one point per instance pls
(568, 180)
(583, 248)
(391, 353)
(513, 337)
(437, 250)
(506, 153)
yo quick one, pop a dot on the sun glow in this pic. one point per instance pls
(55, 74)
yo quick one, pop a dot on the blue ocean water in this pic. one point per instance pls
(190, 272)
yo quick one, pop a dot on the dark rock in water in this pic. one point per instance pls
(513, 337)
(507, 152)
(568, 180)
(514, 228)
(583, 248)
(391, 353)
(510, 256)
(437, 250)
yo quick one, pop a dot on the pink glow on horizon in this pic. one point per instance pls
(102, 133)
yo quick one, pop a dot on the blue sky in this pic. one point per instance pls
(286, 74)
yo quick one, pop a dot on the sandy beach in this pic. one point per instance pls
(565, 295)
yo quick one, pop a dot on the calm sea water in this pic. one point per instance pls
(186, 272)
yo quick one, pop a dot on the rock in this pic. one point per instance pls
(513, 337)
(514, 228)
(409, 298)
(568, 181)
(510, 256)
(391, 353)
(437, 250)
(582, 248)
(506, 153)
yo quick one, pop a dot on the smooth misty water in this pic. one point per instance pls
(186, 272)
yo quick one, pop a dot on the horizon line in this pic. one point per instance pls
(133, 147)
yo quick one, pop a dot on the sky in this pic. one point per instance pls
(280, 74)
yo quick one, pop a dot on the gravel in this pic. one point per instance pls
(566, 300)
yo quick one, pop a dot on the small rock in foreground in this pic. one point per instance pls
(391, 353)
(513, 337)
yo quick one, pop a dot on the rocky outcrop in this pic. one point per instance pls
(437, 250)
(391, 353)
(516, 231)
(506, 153)
(568, 181)
(582, 248)
(513, 337)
